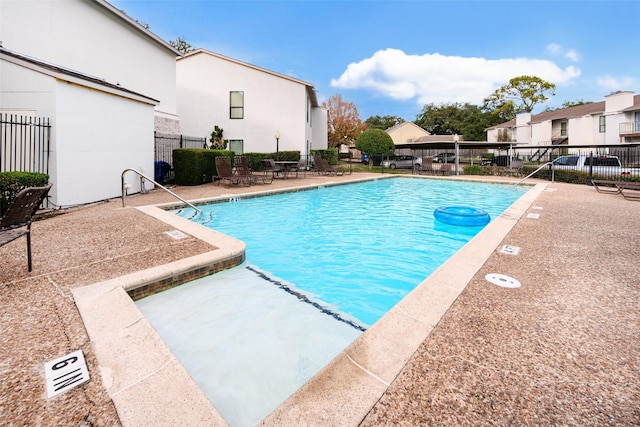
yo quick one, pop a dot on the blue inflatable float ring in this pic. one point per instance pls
(462, 215)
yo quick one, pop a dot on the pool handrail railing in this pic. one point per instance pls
(124, 188)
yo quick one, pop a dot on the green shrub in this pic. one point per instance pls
(375, 141)
(330, 155)
(473, 170)
(11, 183)
(195, 166)
(255, 160)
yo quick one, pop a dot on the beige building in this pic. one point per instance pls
(406, 132)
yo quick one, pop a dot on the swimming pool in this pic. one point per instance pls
(360, 247)
(248, 316)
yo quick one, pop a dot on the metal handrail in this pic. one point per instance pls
(124, 190)
(536, 171)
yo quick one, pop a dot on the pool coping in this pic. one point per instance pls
(148, 385)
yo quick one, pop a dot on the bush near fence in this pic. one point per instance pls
(11, 183)
(195, 166)
(255, 160)
(330, 155)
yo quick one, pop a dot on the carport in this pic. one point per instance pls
(453, 142)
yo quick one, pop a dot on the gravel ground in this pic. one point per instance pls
(561, 350)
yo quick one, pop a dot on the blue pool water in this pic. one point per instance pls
(360, 247)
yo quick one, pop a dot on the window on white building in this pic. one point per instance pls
(236, 103)
(603, 124)
(563, 129)
(237, 146)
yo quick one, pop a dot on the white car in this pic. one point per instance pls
(445, 158)
(402, 162)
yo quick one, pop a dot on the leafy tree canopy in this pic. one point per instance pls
(521, 94)
(456, 118)
(345, 125)
(384, 122)
(375, 141)
(181, 45)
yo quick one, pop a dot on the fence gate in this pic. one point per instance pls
(24, 143)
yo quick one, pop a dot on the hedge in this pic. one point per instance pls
(11, 183)
(330, 155)
(195, 166)
(255, 160)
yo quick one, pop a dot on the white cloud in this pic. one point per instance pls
(573, 55)
(557, 49)
(435, 78)
(617, 83)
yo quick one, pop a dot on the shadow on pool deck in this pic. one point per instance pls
(562, 349)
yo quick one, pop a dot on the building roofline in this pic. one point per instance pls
(399, 125)
(136, 25)
(72, 76)
(569, 113)
(310, 87)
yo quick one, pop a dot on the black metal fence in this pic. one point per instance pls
(597, 162)
(165, 143)
(24, 143)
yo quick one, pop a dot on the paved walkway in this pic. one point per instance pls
(562, 349)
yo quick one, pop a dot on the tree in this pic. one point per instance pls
(345, 125)
(384, 122)
(521, 94)
(568, 104)
(216, 140)
(375, 141)
(455, 118)
(181, 45)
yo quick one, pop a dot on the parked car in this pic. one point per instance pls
(502, 160)
(445, 158)
(377, 158)
(402, 162)
(600, 164)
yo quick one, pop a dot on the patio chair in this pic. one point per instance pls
(514, 168)
(446, 168)
(242, 169)
(606, 186)
(225, 173)
(16, 221)
(630, 190)
(300, 167)
(427, 165)
(323, 167)
(270, 167)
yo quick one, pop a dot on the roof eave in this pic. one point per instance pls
(136, 26)
(74, 77)
(310, 87)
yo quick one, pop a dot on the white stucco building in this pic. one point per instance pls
(250, 103)
(104, 81)
(616, 120)
(95, 38)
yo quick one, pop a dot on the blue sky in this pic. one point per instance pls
(393, 57)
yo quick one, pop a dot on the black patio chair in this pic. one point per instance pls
(16, 222)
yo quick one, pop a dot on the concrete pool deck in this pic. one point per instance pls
(561, 349)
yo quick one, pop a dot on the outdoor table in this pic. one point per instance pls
(286, 165)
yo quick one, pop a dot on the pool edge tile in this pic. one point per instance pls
(389, 344)
(107, 311)
(146, 402)
(342, 391)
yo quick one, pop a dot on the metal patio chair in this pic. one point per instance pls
(16, 222)
(225, 172)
